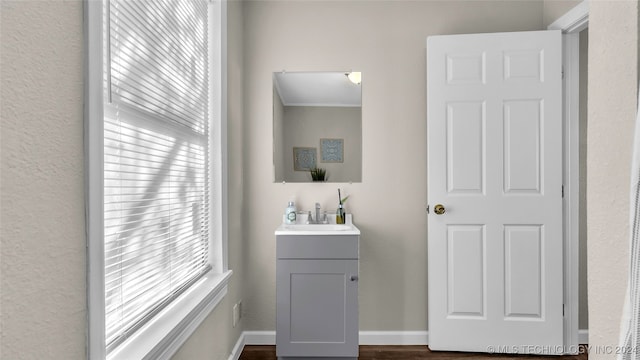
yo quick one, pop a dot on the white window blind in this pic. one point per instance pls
(156, 157)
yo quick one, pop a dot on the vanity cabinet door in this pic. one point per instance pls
(317, 308)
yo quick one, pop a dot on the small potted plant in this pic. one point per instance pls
(318, 174)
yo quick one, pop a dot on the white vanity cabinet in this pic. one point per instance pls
(317, 296)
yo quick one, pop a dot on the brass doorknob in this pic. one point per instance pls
(439, 209)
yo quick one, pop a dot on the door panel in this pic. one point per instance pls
(317, 306)
(466, 273)
(465, 131)
(523, 271)
(495, 163)
(522, 125)
(308, 294)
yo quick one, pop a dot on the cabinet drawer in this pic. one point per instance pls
(317, 247)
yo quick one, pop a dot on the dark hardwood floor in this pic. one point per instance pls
(368, 352)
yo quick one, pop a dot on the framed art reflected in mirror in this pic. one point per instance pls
(304, 158)
(332, 150)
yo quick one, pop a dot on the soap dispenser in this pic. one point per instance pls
(290, 213)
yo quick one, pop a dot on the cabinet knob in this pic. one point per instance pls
(353, 278)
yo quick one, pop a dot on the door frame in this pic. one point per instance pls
(571, 24)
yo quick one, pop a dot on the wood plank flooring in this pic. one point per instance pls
(369, 352)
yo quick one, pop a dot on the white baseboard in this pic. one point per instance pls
(366, 338)
(260, 337)
(394, 337)
(237, 349)
(583, 336)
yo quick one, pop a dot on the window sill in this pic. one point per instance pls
(161, 337)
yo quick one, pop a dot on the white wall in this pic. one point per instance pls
(386, 41)
(613, 86)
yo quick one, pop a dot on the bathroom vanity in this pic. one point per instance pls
(317, 291)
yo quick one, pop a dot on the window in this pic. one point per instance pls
(155, 152)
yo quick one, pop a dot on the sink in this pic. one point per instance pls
(319, 229)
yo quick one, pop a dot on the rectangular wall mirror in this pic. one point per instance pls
(317, 126)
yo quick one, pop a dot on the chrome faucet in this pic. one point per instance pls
(318, 214)
(317, 219)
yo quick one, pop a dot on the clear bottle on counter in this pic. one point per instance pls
(290, 213)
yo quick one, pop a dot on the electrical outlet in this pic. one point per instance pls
(239, 309)
(236, 314)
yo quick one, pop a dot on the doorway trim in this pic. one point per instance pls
(571, 24)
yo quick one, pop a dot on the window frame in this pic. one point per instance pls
(161, 337)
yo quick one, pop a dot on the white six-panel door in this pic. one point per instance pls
(494, 125)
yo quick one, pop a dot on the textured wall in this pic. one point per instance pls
(42, 240)
(42, 294)
(613, 85)
(386, 41)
